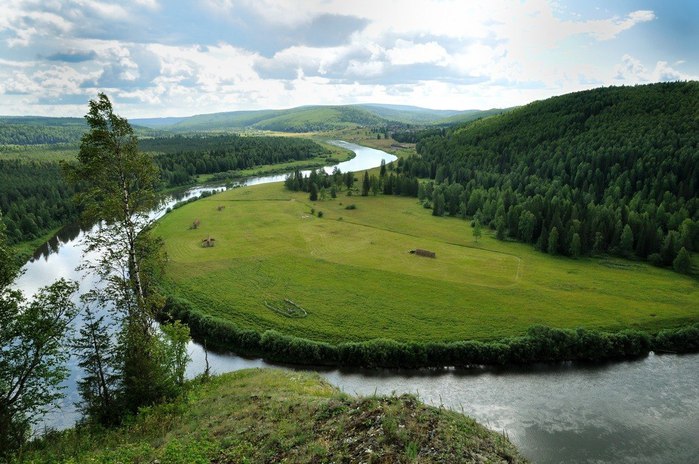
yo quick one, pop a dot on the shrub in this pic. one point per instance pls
(539, 344)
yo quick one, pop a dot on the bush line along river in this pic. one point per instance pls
(636, 411)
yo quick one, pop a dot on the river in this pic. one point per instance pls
(643, 411)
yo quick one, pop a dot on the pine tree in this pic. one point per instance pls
(98, 359)
(626, 243)
(542, 241)
(553, 241)
(575, 246)
(500, 229)
(366, 184)
(683, 262)
(477, 230)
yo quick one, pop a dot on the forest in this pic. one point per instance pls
(181, 157)
(38, 130)
(35, 198)
(612, 170)
(27, 130)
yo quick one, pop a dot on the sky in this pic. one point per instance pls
(157, 58)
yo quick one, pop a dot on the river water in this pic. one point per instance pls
(643, 411)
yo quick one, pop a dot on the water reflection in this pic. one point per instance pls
(65, 235)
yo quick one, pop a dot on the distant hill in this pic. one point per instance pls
(469, 115)
(301, 119)
(34, 130)
(409, 114)
(314, 118)
(157, 123)
(39, 130)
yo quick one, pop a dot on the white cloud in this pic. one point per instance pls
(632, 71)
(464, 55)
(365, 68)
(150, 4)
(408, 52)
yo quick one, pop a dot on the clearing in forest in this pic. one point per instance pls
(354, 276)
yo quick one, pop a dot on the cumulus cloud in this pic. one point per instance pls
(409, 52)
(157, 59)
(631, 70)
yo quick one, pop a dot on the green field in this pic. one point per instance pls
(351, 272)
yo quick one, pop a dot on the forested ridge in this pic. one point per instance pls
(611, 170)
(39, 130)
(29, 130)
(35, 198)
(182, 157)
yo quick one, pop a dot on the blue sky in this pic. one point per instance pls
(179, 57)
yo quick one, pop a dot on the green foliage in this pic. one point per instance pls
(683, 262)
(32, 355)
(98, 355)
(626, 244)
(28, 130)
(366, 185)
(477, 233)
(620, 161)
(180, 158)
(34, 198)
(552, 247)
(539, 344)
(176, 357)
(140, 367)
(313, 196)
(575, 246)
(120, 180)
(32, 362)
(36, 130)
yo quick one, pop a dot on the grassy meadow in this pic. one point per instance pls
(351, 272)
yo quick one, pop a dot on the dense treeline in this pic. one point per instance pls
(319, 183)
(36, 130)
(537, 345)
(412, 136)
(611, 170)
(183, 157)
(34, 198)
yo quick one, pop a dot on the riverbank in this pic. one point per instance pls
(540, 344)
(274, 416)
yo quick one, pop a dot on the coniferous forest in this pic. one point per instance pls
(35, 198)
(182, 157)
(612, 170)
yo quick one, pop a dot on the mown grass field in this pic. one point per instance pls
(351, 272)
